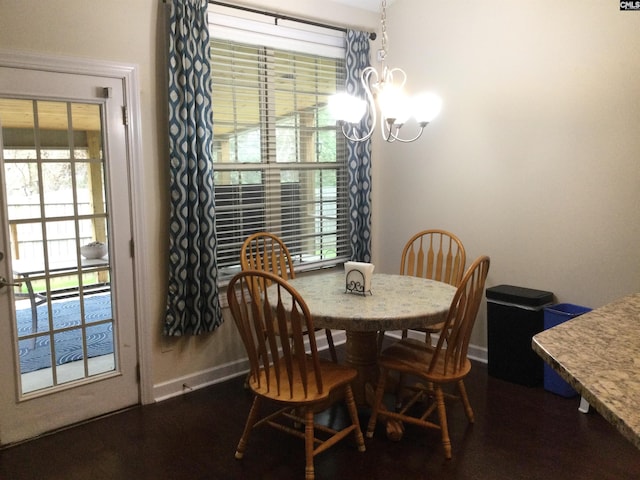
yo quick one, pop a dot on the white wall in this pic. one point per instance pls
(532, 161)
(535, 159)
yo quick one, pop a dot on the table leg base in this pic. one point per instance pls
(362, 354)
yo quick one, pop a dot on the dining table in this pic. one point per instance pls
(394, 302)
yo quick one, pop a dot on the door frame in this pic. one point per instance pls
(128, 75)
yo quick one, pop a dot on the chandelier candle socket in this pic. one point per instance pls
(357, 277)
(387, 88)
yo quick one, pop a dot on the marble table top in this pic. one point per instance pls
(598, 354)
(396, 302)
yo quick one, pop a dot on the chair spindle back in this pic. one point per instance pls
(267, 252)
(277, 362)
(453, 342)
(434, 254)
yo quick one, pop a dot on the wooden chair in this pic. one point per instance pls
(267, 252)
(281, 371)
(434, 254)
(437, 366)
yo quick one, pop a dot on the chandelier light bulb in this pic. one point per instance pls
(427, 107)
(347, 108)
(394, 104)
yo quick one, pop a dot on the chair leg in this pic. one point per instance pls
(353, 413)
(465, 401)
(398, 391)
(332, 348)
(428, 339)
(444, 429)
(380, 340)
(377, 403)
(309, 473)
(251, 421)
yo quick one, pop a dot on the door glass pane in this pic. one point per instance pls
(21, 178)
(57, 194)
(59, 231)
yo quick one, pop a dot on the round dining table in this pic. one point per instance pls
(395, 302)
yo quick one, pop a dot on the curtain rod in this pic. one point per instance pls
(277, 16)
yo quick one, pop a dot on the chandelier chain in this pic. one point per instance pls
(383, 28)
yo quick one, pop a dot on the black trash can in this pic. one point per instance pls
(514, 316)
(555, 315)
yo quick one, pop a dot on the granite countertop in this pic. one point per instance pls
(396, 302)
(598, 354)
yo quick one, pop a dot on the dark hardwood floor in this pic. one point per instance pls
(519, 433)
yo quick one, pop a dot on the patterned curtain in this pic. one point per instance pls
(193, 305)
(359, 153)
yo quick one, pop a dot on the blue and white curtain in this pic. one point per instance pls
(193, 305)
(359, 153)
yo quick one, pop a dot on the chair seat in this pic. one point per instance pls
(435, 328)
(333, 376)
(413, 356)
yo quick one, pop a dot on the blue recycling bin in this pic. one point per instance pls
(555, 315)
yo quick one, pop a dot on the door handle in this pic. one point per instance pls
(5, 283)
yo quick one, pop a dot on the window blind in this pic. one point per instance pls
(279, 160)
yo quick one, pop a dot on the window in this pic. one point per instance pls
(280, 165)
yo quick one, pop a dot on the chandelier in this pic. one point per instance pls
(386, 89)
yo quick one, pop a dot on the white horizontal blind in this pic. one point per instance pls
(227, 23)
(280, 162)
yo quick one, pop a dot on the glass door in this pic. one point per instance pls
(67, 269)
(58, 230)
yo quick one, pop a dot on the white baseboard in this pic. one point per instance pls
(221, 373)
(475, 352)
(479, 354)
(198, 380)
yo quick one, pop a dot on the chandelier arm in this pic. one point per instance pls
(389, 76)
(394, 136)
(354, 138)
(385, 130)
(365, 79)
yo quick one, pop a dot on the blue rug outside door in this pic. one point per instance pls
(36, 355)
